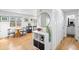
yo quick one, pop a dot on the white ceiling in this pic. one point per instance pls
(69, 10)
(31, 12)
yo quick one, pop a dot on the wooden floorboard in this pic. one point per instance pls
(18, 43)
(25, 43)
(68, 43)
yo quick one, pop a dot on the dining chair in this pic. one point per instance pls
(29, 29)
(23, 31)
(11, 33)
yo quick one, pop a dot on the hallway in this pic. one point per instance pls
(69, 43)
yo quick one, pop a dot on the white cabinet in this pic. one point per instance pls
(41, 40)
(71, 30)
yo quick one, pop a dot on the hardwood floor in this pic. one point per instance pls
(18, 43)
(69, 43)
(25, 43)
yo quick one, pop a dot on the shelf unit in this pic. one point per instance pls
(41, 40)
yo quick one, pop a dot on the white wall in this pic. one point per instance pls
(5, 25)
(56, 26)
(66, 15)
(3, 29)
(33, 22)
(71, 29)
(77, 26)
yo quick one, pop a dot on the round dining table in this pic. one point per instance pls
(17, 33)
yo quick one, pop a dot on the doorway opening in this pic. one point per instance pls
(70, 27)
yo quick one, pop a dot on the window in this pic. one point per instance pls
(4, 18)
(18, 22)
(25, 19)
(12, 21)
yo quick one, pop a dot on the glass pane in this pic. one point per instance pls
(12, 23)
(45, 19)
(4, 18)
(18, 22)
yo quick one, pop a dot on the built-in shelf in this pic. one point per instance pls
(41, 40)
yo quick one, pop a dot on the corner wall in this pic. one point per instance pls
(57, 27)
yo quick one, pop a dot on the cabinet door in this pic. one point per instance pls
(41, 46)
(38, 45)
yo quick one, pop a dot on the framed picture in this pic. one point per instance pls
(5, 18)
(25, 19)
(31, 19)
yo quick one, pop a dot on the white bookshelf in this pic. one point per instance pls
(43, 38)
